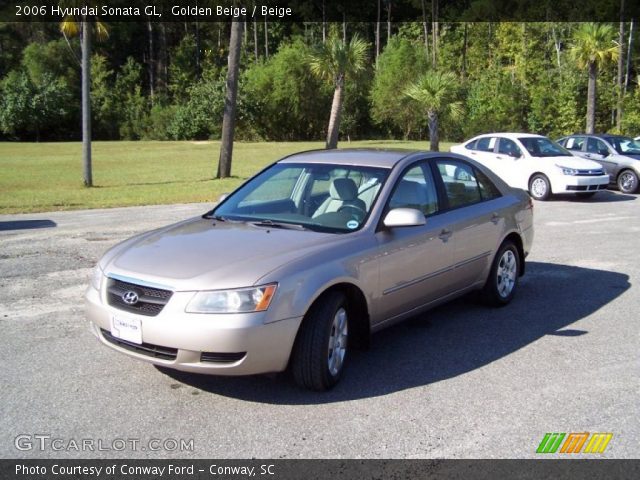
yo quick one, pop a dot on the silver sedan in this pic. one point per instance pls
(307, 259)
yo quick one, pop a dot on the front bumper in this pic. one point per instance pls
(220, 344)
(574, 184)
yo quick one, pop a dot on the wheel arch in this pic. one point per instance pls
(517, 240)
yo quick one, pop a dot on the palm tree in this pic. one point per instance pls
(229, 116)
(69, 28)
(436, 92)
(333, 62)
(593, 48)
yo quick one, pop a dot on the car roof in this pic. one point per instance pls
(370, 157)
(597, 135)
(511, 135)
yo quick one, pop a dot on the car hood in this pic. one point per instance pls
(202, 254)
(574, 162)
(634, 156)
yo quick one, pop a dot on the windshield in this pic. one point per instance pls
(331, 198)
(543, 147)
(625, 145)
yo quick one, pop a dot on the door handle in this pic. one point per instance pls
(445, 234)
(495, 218)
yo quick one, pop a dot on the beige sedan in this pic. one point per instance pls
(307, 259)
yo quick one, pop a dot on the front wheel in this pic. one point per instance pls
(502, 283)
(539, 187)
(320, 351)
(628, 181)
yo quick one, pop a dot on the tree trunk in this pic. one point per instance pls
(464, 51)
(266, 39)
(388, 21)
(324, 22)
(434, 32)
(152, 63)
(162, 69)
(620, 67)
(86, 103)
(434, 135)
(344, 27)
(336, 110)
(229, 118)
(629, 47)
(425, 28)
(255, 39)
(378, 32)
(591, 97)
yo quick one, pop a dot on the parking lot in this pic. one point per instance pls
(462, 381)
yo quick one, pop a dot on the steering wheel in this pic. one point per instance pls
(359, 212)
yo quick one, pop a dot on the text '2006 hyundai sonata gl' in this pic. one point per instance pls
(307, 259)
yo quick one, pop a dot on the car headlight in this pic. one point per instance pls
(241, 300)
(567, 170)
(96, 277)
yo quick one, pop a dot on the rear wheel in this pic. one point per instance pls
(628, 181)
(502, 283)
(320, 351)
(539, 187)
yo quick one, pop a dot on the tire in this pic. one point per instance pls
(628, 181)
(317, 363)
(540, 187)
(583, 195)
(502, 283)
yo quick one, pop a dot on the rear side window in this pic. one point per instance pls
(460, 183)
(574, 143)
(486, 144)
(488, 190)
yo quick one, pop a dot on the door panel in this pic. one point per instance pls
(475, 221)
(415, 262)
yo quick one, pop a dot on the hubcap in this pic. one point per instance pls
(338, 341)
(627, 181)
(507, 271)
(539, 187)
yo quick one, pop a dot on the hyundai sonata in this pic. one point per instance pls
(307, 259)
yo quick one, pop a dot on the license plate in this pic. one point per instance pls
(127, 328)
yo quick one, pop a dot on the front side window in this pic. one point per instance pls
(595, 145)
(324, 197)
(415, 189)
(543, 147)
(509, 147)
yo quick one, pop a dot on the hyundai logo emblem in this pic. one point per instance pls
(130, 297)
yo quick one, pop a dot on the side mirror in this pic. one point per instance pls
(514, 155)
(222, 197)
(404, 217)
(604, 153)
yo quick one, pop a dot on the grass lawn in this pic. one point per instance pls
(38, 177)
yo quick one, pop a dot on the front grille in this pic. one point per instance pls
(589, 173)
(586, 188)
(221, 357)
(151, 300)
(148, 349)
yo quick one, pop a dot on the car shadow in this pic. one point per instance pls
(443, 343)
(27, 224)
(603, 196)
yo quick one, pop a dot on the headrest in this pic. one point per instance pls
(343, 189)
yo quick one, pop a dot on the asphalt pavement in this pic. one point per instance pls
(461, 381)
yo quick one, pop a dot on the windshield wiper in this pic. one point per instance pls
(219, 218)
(271, 223)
